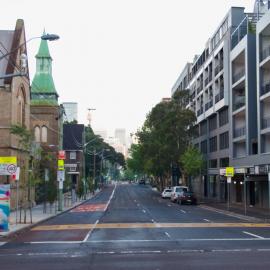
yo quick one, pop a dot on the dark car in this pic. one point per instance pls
(142, 182)
(187, 198)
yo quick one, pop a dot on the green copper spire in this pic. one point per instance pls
(43, 91)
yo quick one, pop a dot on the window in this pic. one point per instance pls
(223, 117)
(44, 134)
(213, 123)
(203, 130)
(72, 155)
(37, 134)
(224, 162)
(224, 140)
(204, 147)
(213, 144)
(213, 163)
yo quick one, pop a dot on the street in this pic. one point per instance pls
(129, 226)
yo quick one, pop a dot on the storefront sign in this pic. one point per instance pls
(229, 172)
(4, 207)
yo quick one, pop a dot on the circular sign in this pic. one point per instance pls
(11, 168)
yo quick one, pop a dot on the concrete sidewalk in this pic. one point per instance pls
(38, 215)
(253, 214)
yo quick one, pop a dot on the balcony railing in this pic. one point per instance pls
(240, 74)
(208, 79)
(219, 67)
(265, 88)
(200, 111)
(199, 88)
(265, 53)
(239, 132)
(208, 105)
(266, 122)
(219, 96)
(239, 102)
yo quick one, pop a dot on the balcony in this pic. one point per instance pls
(239, 101)
(219, 96)
(200, 88)
(208, 79)
(265, 53)
(219, 67)
(240, 74)
(265, 88)
(266, 122)
(239, 132)
(200, 112)
(208, 105)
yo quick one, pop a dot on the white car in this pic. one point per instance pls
(177, 191)
(167, 192)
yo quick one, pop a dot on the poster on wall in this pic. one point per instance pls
(4, 207)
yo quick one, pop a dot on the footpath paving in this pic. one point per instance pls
(39, 215)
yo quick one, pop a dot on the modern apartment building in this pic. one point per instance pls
(230, 95)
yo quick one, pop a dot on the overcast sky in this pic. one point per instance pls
(118, 56)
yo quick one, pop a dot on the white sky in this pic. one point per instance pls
(118, 56)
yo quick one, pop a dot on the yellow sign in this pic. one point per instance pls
(8, 160)
(61, 164)
(229, 172)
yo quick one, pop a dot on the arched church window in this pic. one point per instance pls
(37, 134)
(44, 134)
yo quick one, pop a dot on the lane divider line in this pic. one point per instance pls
(144, 211)
(183, 211)
(207, 220)
(168, 235)
(255, 235)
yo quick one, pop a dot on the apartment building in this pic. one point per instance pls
(223, 87)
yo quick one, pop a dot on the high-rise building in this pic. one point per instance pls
(230, 95)
(120, 133)
(102, 133)
(71, 111)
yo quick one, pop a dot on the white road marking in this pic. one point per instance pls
(153, 221)
(140, 251)
(183, 211)
(90, 232)
(232, 250)
(110, 199)
(255, 235)
(2, 243)
(54, 242)
(169, 205)
(144, 211)
(263, 249)
(207, 220)
(167, 234)
(185, 250)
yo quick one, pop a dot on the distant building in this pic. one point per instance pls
(102, 133)
(120, 133)
(166, 99)
(71, 111)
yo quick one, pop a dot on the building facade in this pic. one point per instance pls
(228, 85)
(14, 103)
(71, 111)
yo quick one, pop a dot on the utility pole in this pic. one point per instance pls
(94, 169)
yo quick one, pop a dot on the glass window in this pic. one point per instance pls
(224, 140)
(37, 134)
(213, 144)
(44, 134)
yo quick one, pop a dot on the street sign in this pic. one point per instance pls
(60, 176)
(17, 174)
(61, 164)
(229, 172)
(8, 165)
(62, 154)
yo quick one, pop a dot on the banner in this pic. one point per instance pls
(4, 207)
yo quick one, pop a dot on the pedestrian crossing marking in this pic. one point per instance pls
(147, 226)
(89, 208)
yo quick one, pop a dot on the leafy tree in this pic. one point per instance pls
(192, 161)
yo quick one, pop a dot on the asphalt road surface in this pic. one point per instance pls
(129, 226)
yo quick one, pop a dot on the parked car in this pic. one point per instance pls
(177, 191)
(187, 198)
(142, 182)
(166, 194)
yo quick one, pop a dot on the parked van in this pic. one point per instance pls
(177, 191)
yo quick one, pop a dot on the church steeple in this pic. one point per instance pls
(43, 91)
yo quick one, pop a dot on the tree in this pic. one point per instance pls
(165, 135)
(192, 161)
